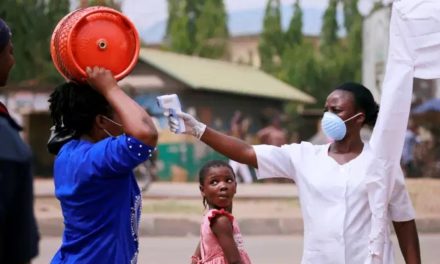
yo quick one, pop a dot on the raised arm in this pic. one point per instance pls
(231, 147)
(135, 120)
(413, 52)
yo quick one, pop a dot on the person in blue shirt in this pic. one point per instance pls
(108, 134)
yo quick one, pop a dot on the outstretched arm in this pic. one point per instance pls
(229, 146)
(221, 226)
(408, 241)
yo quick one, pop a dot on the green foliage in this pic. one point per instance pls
(301, 68)
(193, 11)
(178, 38)
(294, 34)
(353, 25)
(272, 40)
(329, 30)
(32, 23)
(197, 27)
(317, 72)
(109, 3)
(212, 30)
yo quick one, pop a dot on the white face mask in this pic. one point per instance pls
(334, 127)
(112, 121)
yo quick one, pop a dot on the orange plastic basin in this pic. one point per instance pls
(94, 36)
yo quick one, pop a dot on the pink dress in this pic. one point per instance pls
(211, 251)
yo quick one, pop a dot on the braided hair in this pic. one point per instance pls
(363, 100)
(212, 164)
(73, 107)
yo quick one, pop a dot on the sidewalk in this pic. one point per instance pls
(175, 209)
(170, 190)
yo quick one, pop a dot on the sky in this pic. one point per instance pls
(149, 12)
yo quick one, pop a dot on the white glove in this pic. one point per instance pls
(192, 126)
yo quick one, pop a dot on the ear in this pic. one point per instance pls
(100, 121)
(361, 119)
(202, 190)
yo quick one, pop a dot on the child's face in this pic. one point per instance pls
(219, 187)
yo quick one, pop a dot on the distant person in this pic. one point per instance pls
(18, 228)
(220, 238)
(273, 134)
(410, 143)
(239, 129)
(93, 171)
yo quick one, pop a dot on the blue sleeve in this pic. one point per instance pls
(117, 156)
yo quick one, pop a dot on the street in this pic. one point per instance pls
(261, 249)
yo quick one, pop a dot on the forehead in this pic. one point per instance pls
(218, 171)
(340, 97)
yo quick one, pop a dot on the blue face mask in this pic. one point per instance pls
(334, 127)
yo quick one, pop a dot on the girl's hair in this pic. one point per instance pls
(363, 100)
(212, 164)
(74, 107)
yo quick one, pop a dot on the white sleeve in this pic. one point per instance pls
(400, 206)
(276, 162)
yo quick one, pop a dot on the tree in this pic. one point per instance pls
(329, 30)
(193, 11)
(178, 37)
(109, 3)
(353, 26)
(272, 39)
(212, 31)
(32, 23)
(294, 34)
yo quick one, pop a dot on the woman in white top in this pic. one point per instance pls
(331, 181)
(349, 190)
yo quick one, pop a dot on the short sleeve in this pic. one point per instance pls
(276, 162)
(212, 214)
(400, 207)
(116, 156)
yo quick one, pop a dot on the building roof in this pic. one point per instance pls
(221, 76)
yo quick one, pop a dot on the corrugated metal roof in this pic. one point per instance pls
(221, 76)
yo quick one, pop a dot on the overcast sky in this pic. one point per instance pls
(149, 12)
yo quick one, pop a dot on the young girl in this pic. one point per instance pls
(220, 238)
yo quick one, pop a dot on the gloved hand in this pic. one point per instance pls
(192, 126)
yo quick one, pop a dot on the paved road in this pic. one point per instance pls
(262, 249)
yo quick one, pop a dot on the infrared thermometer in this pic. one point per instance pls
(171, 103)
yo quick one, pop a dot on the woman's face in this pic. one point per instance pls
(342, 103)
(7, 61)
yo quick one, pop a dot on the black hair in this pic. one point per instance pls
(363, 100)
(73, 107)
(5, 34)
(212, 164)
